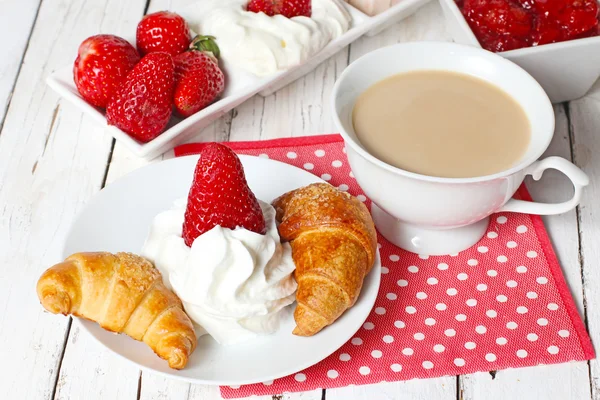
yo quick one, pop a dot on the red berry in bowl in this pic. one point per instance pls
(595, 31)
(526, 4)
(549, 8)
(546, 31)
(505, 43)
(472, 8)
(502, 25)
(143, 105)
(287, 8)
(198, 78)
(163, 31)
(502, 18)
(578, 17)
(101, 66)
(296, 8)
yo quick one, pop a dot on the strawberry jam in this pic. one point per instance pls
(502, 25)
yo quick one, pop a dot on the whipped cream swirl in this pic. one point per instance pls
(264, 45)
(235, 283)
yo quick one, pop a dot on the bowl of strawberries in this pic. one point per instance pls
(556, 41)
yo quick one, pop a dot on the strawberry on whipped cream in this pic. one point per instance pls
(264, 45)
(234, 283)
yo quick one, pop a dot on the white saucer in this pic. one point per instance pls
(118, 218)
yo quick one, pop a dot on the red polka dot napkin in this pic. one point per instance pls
(501, 304)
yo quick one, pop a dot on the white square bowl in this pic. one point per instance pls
(566, 70)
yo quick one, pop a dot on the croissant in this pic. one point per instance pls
(124, 293)
(333, 243)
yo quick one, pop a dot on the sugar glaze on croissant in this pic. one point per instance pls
(334, 244)
(124, 293)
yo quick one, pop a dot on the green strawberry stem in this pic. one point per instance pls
(205, 43)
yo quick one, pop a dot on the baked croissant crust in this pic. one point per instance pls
(334, 244)
(124, 293)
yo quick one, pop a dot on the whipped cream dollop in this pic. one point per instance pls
(264, 45)
(234, 284)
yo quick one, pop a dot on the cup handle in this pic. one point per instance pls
(576, 175)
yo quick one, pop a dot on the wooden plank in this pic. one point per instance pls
(52, 160)
(585, 120)
(77, 149)
(564, 381)
(90, 371)
(423, 25)
(301, 108)
(156, 388)
(16, 21)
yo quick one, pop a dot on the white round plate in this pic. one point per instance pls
(118, 218)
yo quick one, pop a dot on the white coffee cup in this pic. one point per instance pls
(437, 216)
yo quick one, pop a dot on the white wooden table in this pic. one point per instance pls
(53, 160)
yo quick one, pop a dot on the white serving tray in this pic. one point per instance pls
(241, 85)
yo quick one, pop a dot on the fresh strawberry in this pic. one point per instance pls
(162, 31)
(265, 6)
(296, 8)
(142, 107)
(579, 17)
(102, 64)
(287, 8)
(220, 196)
(198, 79)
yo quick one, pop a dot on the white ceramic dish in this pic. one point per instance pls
(566, 70)
(241, 85)
(118, 219)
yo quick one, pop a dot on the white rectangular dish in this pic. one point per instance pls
(241, 85)
(566, 70)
